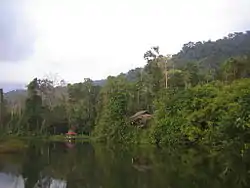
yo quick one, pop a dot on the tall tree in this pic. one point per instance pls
(82, 105)
(235, 68)
(34, 107)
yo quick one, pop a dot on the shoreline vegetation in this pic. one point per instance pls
(12, 145)
(200, 96)
(45, 137)
(17, 144)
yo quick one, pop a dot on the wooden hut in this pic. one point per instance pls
(141, 118)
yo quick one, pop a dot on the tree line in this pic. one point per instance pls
(190, 103)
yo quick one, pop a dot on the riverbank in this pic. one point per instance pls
(46, 138)
(16, 144)
(63, 138)
(12, 145)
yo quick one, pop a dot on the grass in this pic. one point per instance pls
(15, 144)
(12, 146)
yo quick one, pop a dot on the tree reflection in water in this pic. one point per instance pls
(48, 182)
(9, 180)
(54, 165)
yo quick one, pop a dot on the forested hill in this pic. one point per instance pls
(211, 54)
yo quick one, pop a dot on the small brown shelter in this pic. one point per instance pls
(141, 118)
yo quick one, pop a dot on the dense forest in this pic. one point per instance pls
(200, 95)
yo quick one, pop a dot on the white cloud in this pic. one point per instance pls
(96, 38)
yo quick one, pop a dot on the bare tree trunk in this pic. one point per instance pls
(166, 75)
(139, 88)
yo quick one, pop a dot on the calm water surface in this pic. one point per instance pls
(82, 165)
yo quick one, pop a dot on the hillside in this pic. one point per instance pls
(209, 54)
(15, 97)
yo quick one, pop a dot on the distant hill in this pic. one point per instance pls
(18, 96)
(10, 86)
(211, 54)
(99, 82)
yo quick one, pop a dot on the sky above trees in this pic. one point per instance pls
(78, 38)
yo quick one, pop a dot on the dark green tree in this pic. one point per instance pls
(82, 105)
(33, 107)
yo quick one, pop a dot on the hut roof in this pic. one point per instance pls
(70, 133)
(146, 115)
(138, 114)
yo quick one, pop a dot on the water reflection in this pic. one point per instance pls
(56, 165)
(142, 164)
(70, 145)
(8, 180)
(48, 182)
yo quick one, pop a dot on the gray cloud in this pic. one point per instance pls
(16, 32)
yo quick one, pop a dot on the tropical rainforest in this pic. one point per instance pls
(200, 96)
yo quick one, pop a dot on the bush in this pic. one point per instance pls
(213, 113)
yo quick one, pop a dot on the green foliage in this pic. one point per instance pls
(208, 114)
(111, 123)
(33, 107)
(235, 68)
(82, 105)
(211, 54)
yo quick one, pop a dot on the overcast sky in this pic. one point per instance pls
(95, 38)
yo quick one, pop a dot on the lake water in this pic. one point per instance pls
(82, 165)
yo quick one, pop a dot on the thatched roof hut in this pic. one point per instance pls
(137, 114)
(141, 118)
